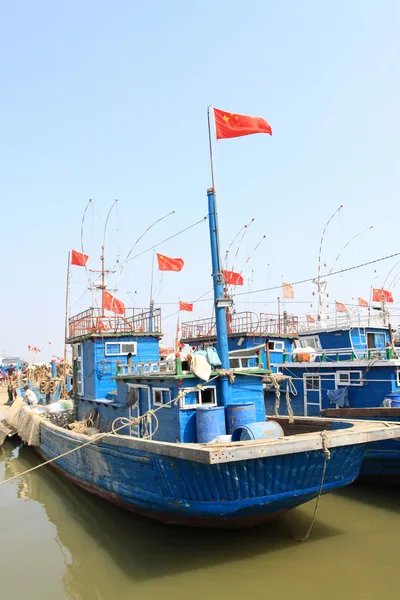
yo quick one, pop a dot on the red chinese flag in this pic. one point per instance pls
(362, 303)
(311, 319)
(230, 125)
(232, 278)
(185, 306)
(78, 259)
(113, 304)
(381, 295)
(340, 307)
(169, 264)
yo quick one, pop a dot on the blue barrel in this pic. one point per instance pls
(266, 430)
(239, 414)
(210, 422)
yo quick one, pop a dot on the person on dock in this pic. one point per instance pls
(11, 384)
(30, 396)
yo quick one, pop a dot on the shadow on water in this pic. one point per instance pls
(379, 493)
(142, 549)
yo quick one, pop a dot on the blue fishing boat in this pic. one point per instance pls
(352, 371)
(187, 441)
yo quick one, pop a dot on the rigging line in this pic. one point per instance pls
(163, 241)
(311, 279)
(199, 299)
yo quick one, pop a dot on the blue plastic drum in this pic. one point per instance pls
(240, 414)
(266, 430)
(210, 423)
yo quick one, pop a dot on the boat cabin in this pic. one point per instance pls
(102, 345)
(247, 332)
(179, 396)
(343, 367)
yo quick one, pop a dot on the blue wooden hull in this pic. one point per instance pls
(382, 461)
(174, 490)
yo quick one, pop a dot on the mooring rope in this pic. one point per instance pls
(327, 455)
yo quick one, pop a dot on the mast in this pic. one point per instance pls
(220, 302)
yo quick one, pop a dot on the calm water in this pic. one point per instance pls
(60, 542)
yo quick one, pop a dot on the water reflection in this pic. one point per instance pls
(104, 552)
(92, 534)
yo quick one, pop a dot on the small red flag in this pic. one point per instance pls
(311, 319)
(185, 306)
(362, 303)
(79, 259)
(230, 125)
(381, 295)
(288, 290)
(29, 348)
(169, 264)
(113, 304)
(340, 307)
(232, 278)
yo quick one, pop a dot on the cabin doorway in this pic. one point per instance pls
(312, 395)
(139, 403)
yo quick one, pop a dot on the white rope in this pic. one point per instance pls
(276, 379)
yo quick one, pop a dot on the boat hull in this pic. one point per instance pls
(381, 464)
(179, 491)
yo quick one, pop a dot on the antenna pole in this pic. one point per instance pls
(103, 283)
(66, 319)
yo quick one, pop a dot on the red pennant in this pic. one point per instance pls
(185, 306)
(78, 259)
(113, 304)
(381, 295)
(340, 307)
(362, 303)
(232, 278)
(169, 264)
(230, 125)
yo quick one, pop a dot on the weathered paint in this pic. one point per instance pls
(178, 490)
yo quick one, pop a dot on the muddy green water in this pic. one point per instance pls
(60, 542)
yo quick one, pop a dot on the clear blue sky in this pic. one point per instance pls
(107, 100)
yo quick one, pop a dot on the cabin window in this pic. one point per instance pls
(195, 397)
(243, 362)
(161, 396)
(79, 370)
(309, 342)
(120, 348)
(376, 340)
(313, 383)
(348, 378)
(276, 346)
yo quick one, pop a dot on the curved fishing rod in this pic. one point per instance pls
(103, 287)
(90, 203)
(387, 276)
(318, 280)
(251, 256)
(246, 228)
(231, 244)
(349, 242)
(138, 240)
